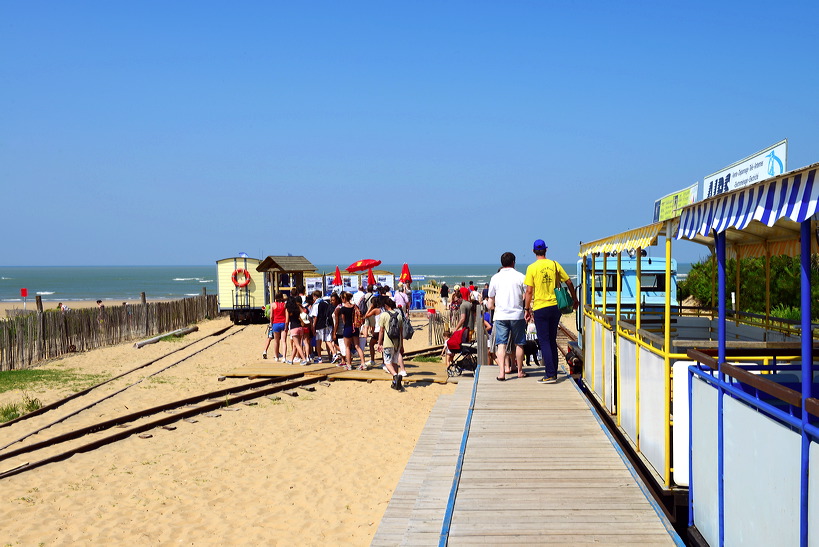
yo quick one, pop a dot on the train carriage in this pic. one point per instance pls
(242, 293)
(719, 406)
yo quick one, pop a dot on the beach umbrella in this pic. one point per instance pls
(370, 277)
(337, 278)
(405, 277)
(361, 265)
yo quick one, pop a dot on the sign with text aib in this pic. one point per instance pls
(765, 164)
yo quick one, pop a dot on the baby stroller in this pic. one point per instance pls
(464, 354)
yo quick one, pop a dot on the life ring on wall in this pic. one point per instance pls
(236, 273)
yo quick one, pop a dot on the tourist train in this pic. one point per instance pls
(718, 407)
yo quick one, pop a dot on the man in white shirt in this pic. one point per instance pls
(359, 294)
(506, 291)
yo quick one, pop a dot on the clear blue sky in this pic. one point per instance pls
(427, 132)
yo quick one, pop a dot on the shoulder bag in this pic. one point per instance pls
(564, 299)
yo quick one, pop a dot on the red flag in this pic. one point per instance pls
(405, 277)
(370, 277)
(337, 278)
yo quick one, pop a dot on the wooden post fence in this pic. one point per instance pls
(29, 338)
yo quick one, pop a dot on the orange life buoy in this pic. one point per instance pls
(238, 283)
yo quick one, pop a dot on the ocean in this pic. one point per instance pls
(119, 283)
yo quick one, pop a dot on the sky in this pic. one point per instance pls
(155, 132)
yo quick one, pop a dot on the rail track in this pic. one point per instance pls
(77, 440)
(90, 437)
(81, 402)
(162, 366)
(564, 336)
(138, 422)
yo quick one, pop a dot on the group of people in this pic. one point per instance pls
(344, 323)
(513, 300)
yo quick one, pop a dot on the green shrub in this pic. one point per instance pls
(784, 283)
(37, 378)
(787, 312)
(9, 412)
(427, 359)
(30, 404)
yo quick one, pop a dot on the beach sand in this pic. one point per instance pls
(313, 470)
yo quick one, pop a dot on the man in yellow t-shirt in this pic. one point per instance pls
(540, 305)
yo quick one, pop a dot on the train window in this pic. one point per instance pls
(611, 282)
(652, 282)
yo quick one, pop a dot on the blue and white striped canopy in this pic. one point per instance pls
(793, 195)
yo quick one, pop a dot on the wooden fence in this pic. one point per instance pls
(33, 337)
(435, 331)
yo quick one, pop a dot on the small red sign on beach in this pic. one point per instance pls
(24, 293)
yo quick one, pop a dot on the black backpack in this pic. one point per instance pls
(393, 328)
(324, 317)
(408, 330)
(364, 303)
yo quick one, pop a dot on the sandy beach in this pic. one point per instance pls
(314, 470)
(31, 305)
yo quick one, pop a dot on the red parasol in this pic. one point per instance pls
(362, 265)
(337, 278)
(405, 277)
(370, 277)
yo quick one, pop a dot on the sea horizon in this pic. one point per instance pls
(171, 282)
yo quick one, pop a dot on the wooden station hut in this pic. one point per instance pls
(283, 273)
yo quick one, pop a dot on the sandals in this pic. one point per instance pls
(499, 379)
(523, 375)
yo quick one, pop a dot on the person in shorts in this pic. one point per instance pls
(293, 311)
(490, 337)
(452, 344)
(371, 323)
(347, 314)
(335, 333)
(506, 291)
(390, 347)
(276, 327)
(322, 316)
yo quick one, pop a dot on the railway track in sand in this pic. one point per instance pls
(26, 448)
(564, 336)
(26, 445)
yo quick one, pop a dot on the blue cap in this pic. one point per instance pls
(539, 245)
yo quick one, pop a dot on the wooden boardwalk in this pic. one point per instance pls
(417, 372)
(538, 469)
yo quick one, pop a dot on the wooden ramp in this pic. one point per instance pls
(416, 372)
(537, 469)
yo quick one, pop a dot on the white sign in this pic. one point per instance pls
(314, 284)
(771, 162)
(349, 282)
(385, 280)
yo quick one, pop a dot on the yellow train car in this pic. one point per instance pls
(241, 289)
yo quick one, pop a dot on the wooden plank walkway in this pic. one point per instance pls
(416, 372)
(538, 469)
